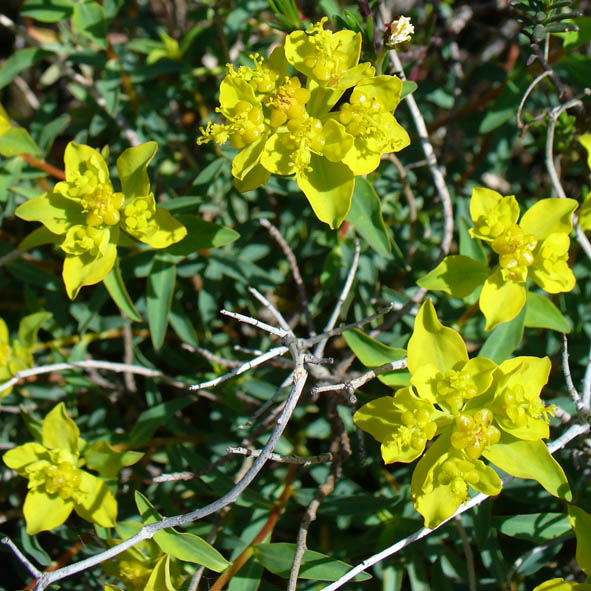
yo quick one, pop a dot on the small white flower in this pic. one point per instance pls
(398, 31)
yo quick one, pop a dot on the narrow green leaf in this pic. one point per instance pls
(184, 546)
(542, 313)
(502, 109)
(20, 60)
(534, 527)
(48, 11)
(372, 354)
(457, 275)
(153, 418)
(277, 558)
(39, 237)
(201, 235)
(117, 290)
(160, 289)
(366, 215)
(89, 19)
(504, 339)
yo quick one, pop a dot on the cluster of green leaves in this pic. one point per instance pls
(105, 72)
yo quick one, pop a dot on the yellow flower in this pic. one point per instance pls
(57, 484)
(85, 214)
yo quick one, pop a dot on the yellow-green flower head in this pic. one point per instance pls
(475, 408)
(535, 248)
(86, 214)
(313, 151)
(57, 484)
(402, 424)
(439, 365)
(264, 76)
(443, 477)
(329, 59)
(368, 118)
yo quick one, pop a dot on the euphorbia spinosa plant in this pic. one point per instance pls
(535, 248)
(476, 409)
(283, 127)
(86, 216)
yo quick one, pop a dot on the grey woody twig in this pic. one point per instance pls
(22, 558)
(301, 460)
(319, 350)
(436, 171)
(96, 364)
(275, 352)
(356, 383)
(274, 311)
(574, 394)
(295, 270)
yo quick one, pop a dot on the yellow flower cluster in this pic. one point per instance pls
(283, 127)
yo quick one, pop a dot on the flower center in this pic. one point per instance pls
(515, 249)
(458, 474)
(138, 214)
(328, 61)
(358, 117)
(83, 239)
(62, 479)
(416, 429)
(288, 102)
(519, 408)
(454, 387)
(262, 78)
(474, 433)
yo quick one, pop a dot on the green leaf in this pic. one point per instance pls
(39, 237)
(542, 313)
(408, 87)
(532, 460)
(184, 546)
(17, 141)
(366, 215)
(20, 60)
(117, 290)
(581, 523)
(201, 235)
(504, 339)
(89, 19)
(48, 11)
(153, 418)
(457, 275)
(574, 39)
(372, 354)
(29, 327)
(534, 527)
(159, 299)
(503, 109)
(277, 558)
